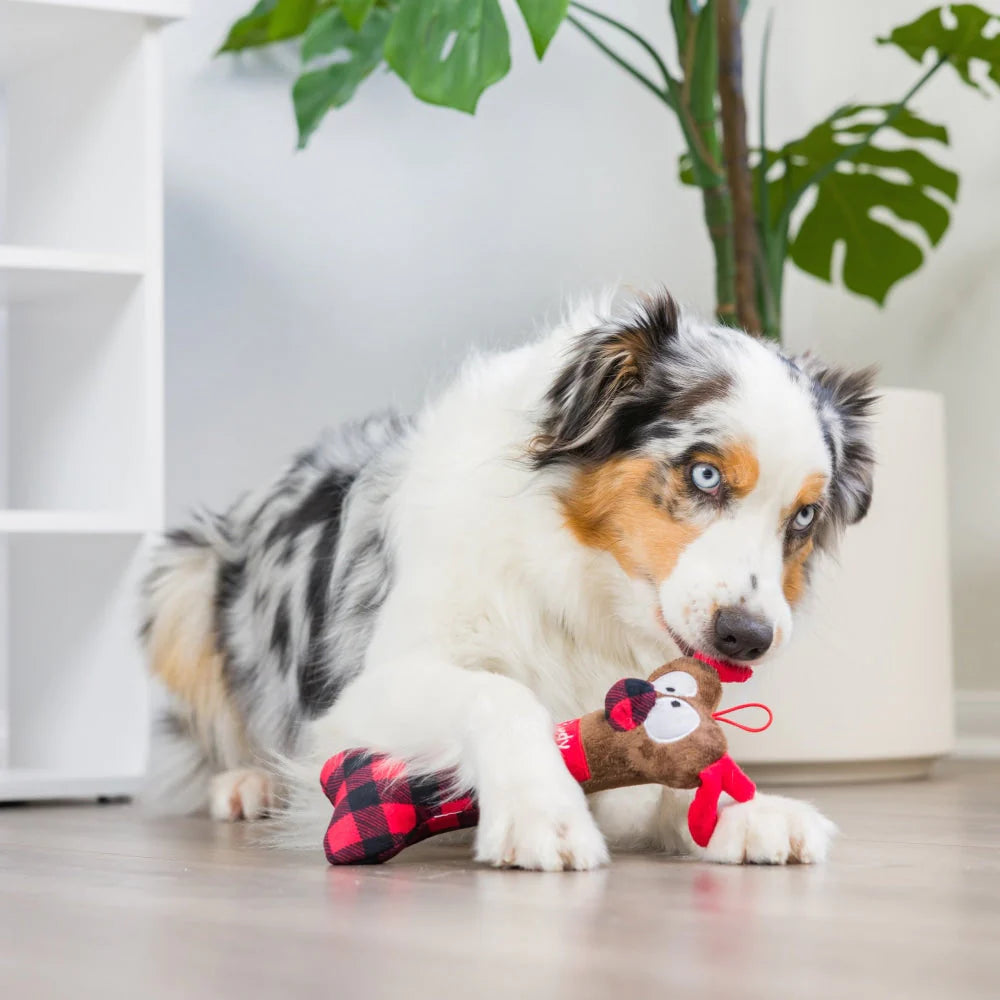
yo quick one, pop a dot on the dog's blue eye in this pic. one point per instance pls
(804, 517)
(706, 477)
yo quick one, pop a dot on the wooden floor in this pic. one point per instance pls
(99, 901)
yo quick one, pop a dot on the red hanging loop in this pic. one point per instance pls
(721, 716)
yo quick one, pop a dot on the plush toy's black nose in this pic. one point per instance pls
(741, 636)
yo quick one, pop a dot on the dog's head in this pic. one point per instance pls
(712, 468)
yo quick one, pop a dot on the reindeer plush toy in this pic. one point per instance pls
(664, 730)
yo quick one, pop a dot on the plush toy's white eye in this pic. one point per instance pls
(671, 719)
(805, 516)
(706, 477)
(677, 682)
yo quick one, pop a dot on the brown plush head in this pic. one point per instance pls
(656, 731)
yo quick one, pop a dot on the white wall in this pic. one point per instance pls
(303, 288)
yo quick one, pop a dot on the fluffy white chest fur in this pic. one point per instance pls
(487, 572)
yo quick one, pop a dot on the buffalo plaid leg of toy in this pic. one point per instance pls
(378, 810)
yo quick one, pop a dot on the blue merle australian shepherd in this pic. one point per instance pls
(636, 484)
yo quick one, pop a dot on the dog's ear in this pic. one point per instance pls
(628, 702)
(845, 400)
(602, 378)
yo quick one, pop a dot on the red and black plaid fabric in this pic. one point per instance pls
(628, 702)
(378, 810)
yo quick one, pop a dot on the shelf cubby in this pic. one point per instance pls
(81, 386)
(76, 700)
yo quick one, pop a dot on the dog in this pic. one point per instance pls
(636, 484)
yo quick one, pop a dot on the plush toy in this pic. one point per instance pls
(664, 730)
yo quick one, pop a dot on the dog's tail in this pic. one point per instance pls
(198, 729)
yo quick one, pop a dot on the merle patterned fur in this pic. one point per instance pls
(303, 568)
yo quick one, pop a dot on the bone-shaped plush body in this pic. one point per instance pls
(656, 731)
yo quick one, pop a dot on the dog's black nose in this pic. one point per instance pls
(741, 636)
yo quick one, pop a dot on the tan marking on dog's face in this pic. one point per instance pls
(628, 507)
(739, 467)
(794, 578)
(811, 491)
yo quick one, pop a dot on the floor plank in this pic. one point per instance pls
(104, 901)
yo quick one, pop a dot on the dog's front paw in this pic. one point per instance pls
(540, 825)
(244, 793)
(770, 830)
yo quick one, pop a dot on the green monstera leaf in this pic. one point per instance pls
(351, 57)
(270, 21)
(862, 204)
(291, 17)
(449, 51)
(543, 18)
(251, 29)
(866, 204)
(963, 34)
(356, 12)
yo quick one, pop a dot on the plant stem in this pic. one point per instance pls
(700, 60)
(663, 95)
(672, 94)
(692, 100)
(770, 284)
(668, 80)
(734, 138)
(717, 207)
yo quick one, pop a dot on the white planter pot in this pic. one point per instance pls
(865, 688)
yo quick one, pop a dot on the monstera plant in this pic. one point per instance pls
(841, 183)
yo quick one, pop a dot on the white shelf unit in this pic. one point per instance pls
(81, 386)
